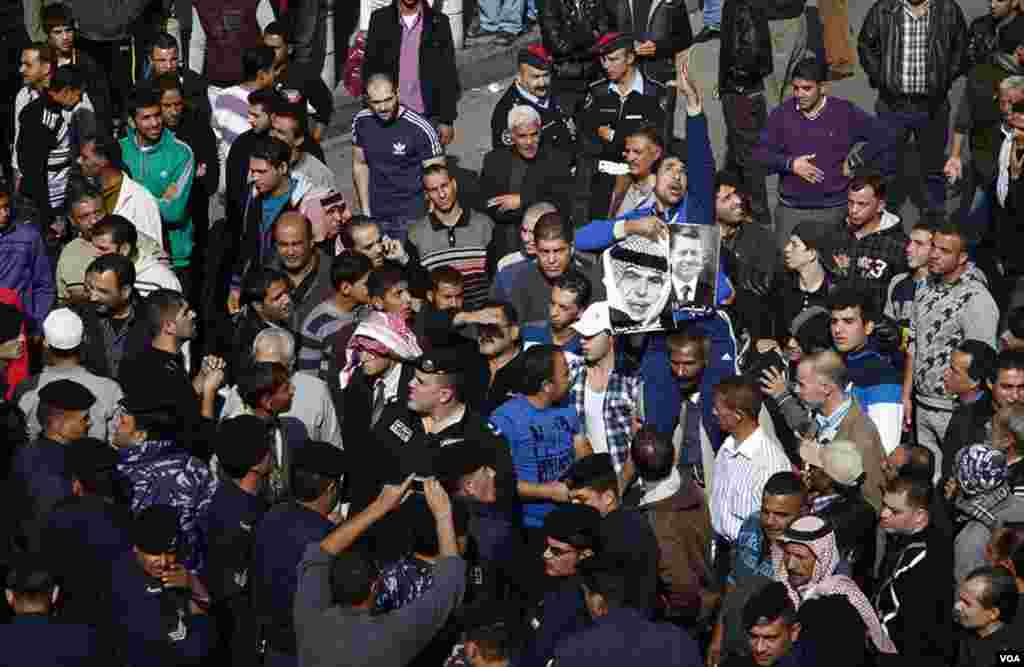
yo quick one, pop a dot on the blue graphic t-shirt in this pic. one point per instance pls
(541, 443)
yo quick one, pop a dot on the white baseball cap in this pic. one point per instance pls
(63, 329)
(594, 320)
(841, 460)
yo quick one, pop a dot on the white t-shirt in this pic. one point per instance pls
(593, 406)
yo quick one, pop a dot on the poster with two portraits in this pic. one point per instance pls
(658, 285)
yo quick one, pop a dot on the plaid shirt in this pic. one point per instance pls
(914, 64)
(622, 399)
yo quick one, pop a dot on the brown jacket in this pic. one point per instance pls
(682, 526)
(860, 430)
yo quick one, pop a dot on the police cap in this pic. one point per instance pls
(242, 442)
(573, 524)
(535, 55)
(613, 41)
(155, 530)
(441, 360)
(66, 395)
(321, 458)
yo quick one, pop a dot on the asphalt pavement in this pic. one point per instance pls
(486, 69)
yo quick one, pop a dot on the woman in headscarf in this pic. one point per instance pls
(805, 560)
(982, 500)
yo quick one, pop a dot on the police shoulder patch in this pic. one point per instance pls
(401, 430)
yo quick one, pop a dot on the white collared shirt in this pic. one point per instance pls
(740, 473)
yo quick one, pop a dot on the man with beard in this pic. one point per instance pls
(749, 255)
(307, 267)
(391, 146)
(916, 555)
(164, 59)
(265, 302)
(616, 106)
(171, 321)
(501, 345)
(85, 209)
(532, 87)
(808, 143)
(451, 236)
(525, 172)
(188, 126)
(236, 169)
(527, 285)
(683, 193)
(412, 434)
(113, 318)
(165, 166)
(59, 26)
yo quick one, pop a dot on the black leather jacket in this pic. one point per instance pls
(667, 24)
(879, 46)
(746, 54)
(569, 30)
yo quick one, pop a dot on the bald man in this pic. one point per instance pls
(308, 268)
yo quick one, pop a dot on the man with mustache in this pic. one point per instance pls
(532, 87)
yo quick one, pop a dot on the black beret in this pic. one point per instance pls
(66, 395)
(11, 320)
(588, 470)
(534, 55)
(441, 360)
(573, 524)
(766, 605)
(243, 441)
(87, 457)
(155, 530)
(454, 461)
(613, 41)
(321, 458)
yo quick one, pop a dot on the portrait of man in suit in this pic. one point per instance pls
(637, 280)
(693, 258)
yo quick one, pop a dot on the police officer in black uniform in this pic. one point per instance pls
(532, 87)
(34, 637)
(617, 105)
(243, 453)
(280, 541)
(158, 615)
(412, 432)
(93, 526)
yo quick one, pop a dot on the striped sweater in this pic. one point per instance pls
(466, 247)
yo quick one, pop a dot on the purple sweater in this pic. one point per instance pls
(829, 137)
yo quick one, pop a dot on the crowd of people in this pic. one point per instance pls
(247, 421)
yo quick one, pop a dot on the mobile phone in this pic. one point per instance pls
(417, 484)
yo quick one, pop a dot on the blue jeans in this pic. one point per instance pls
(931, 132)
(501, 15)
(712, 13)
